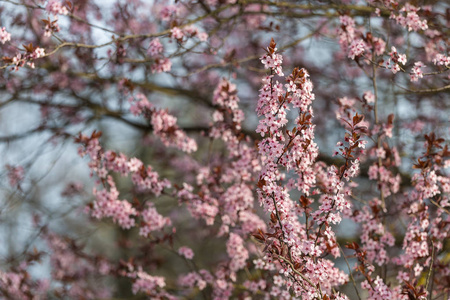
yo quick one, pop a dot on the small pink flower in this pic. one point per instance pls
(55, 7)
(186, 252)
(441, 60)
(176, 33)
(161, 65)
(380, 153)
(356, 48)
(202, 36)
(4, 35)
(369, 97)
(155, 47)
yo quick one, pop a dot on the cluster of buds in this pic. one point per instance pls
(32, 53)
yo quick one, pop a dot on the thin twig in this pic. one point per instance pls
(296, 271)
(437, 204)
(433, 90)
(430, 272)
(349, 271)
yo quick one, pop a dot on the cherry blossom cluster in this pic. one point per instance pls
(292, 247)
(272, 60)
(152, 221)
(369, 97)
(409, 18)
(168, 12)
(51, 26)
(335, 201)
(426, 230)
(18, 284)
(389, 183)
(72, 189)
(395, 60)
(74, 273)
(155, 47)
(416, 71)
(152, 286)
(164, 125)
(188, 32)
(357, 47)
(228, 117)
(4, 35)
(177, 33)
(160, 63)
(223, 194)
(203, 206)
(421, 237)
(378, 290)
(237, 252)
(441, 60)
(28, 58)
(55, 7)
(147, 283)
(71, 268)
(107, 204)
(186, 252)
(347, 31)
(198, 279)
(347, 108)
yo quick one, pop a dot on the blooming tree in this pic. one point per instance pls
(224, 149)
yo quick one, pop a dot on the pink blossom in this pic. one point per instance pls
(379, 46)
(152, 221)
(140, 104)
(4, 35)
(356, 48)
(165, 127)
(396, 58)
(134, 165)
(55, 7)
(380, 153)
(416, 71)
(202, 36)
(38, 52)
(176, 33)
(196, 279)
(412, 19)
(273, 61)
(155, 47)
(378, 290)
(441, 60)
(107, 205)
(217, 116)
(161, 65)
(417, 270)
(186, 252)
(146, 283)
(237, 252)
(346, 32)
(168, 12)
(369, 97)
